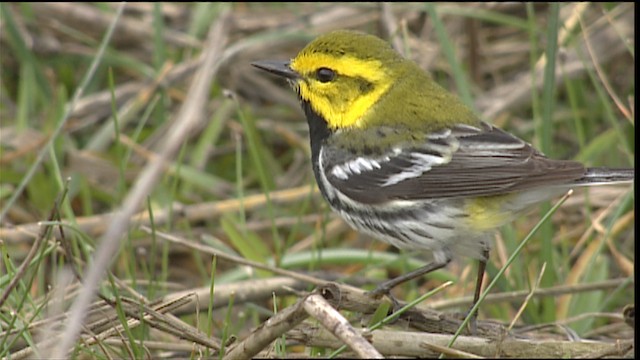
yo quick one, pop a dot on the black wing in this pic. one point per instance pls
(463, 161)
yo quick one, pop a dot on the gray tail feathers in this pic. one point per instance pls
(595, 176)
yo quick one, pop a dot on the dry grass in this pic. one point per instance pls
(157, 199)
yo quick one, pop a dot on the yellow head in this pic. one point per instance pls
(343, 74)
(355, 80)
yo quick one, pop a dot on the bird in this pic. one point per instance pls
(405, 161)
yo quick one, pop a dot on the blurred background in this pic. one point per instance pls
(561, 76)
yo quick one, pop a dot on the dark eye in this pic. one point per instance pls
(325, 75)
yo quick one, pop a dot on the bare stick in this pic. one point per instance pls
(270, 330)
(316, 306)
(189, 115)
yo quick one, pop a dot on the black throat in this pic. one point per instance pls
(318, 129)
(318, 134)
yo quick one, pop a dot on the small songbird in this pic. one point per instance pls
(403, 160)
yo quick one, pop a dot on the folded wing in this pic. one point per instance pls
(463, 161)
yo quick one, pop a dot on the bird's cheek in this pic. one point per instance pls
(304, 91)
(345, 97)
(324, 94)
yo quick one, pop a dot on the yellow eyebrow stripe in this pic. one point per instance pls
(341, 107)
(371, 70)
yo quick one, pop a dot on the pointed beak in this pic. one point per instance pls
(280, 68)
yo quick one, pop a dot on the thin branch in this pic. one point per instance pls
(187, 118)
(318, 307)
(94, 226)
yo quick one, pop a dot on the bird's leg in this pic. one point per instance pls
(482, 265)
(385, 287)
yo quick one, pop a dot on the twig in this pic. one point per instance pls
(44, 232)
(514, 93)
(318, 307)
(407, 343)
(243, 291)
(443, 350)
(236, 259)
(601, 74)
(94, 226)
(521, 294)
(352, 298)
(421, 318)
(89, 17)
(152, 315)
(188, 116)
(528, 298)
(65, 116)
(268, 331)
